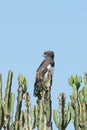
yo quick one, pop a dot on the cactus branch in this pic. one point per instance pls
(62, 117)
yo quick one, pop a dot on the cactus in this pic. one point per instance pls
(7, 105)
(40, 115)
(62, 116)
(83, 105)
(24, 120)
(11, 110)
(35, 114)
(75, 83)
(47, 102)
(1, 114)
(1, 104)
(79, 102)
(8, 91)
(28, 113)
(0, 87)
(41, 120)
(22, 87)
(9, 102)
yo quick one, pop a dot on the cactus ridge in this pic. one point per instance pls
(39, 116)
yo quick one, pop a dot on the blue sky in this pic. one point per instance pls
(28, 28)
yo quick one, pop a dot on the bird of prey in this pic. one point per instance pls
(42, 73)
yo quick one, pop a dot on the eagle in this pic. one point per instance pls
(45, 69)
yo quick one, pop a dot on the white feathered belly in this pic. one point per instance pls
(49, 68)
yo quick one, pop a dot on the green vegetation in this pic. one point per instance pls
(39, 116)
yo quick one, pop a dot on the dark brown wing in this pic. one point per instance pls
(39, 68)
(42, 68)
(40, 76)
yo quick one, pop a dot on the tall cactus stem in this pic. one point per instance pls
(22, 88)
(75, 83)
(41, 116)
(28, 112)
(62, 117)
(48, 102)
(7, 123)
(0, 87)
(7, 91)
(35, 115)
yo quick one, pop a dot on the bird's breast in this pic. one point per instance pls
(49, 69)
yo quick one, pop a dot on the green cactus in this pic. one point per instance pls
(40, 115)
(41, 119)
(1, 114)
(83, 105)
(11, 110)
(62, 116)
(1, 105)
(22, 120)
(75, 83)
(8, 91)
(0, 87)
(35, 115)
(47, 102)
(9, 102)
(79, 102)
(28, 113)
(22, 88)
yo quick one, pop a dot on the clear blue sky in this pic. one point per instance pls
(28, 28)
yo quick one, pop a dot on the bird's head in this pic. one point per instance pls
(48, 54)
